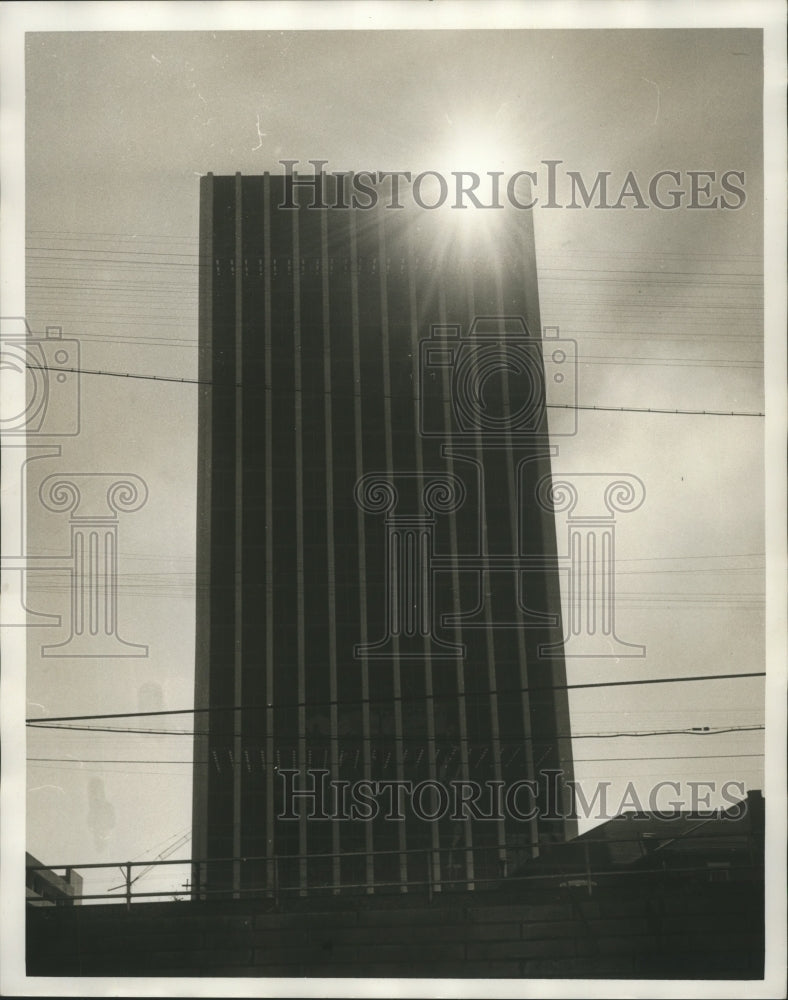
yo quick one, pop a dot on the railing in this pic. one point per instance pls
(564, 873)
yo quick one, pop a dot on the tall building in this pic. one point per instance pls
(378, 597)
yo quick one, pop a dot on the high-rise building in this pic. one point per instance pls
(378, 597)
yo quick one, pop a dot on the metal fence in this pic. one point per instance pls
(427, 871)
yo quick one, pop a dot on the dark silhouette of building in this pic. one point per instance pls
(377, 594)
(43, 887)
(691, 848)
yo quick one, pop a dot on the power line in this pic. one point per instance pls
(39, 723)
(677, 558)
(555, 406)
(157, 253)
(75, 234)
(191, 763)
(557, 250)
(662, 276)
(121, 263)
(190, 576)
(424, 738)
(161, 321)
(652, 409)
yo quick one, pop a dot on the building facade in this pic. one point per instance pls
(44, 887)
(379, 646)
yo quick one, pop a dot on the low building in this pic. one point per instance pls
(45, 888)
(711, 846)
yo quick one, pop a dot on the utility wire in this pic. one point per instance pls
(240, 385)
(208, 259)
(421, 738)
(44, 723)
(557, 250)
(577, 760)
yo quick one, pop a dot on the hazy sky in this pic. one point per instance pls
(666, 307)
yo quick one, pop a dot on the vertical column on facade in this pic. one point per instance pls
(492, 452)
(366, 729)
(522, 657)
(330, 554)
(223, 512)
(435, 860)
(489, 628)
(398, 742)
(269, 559)
(541, 453)
(448, 423)
(298, 418)
(534, 323)
(204, 503)
(238, 560)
